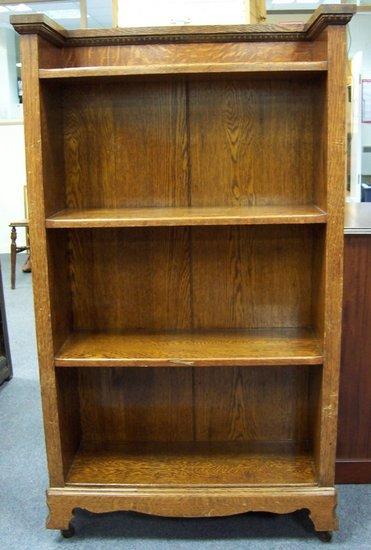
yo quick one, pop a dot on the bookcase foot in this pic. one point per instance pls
(324, 536)
(60, 517)
(68, 533)
(324, 520)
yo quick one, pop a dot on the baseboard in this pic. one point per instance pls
(353, 470)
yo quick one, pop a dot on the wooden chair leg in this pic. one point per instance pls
(28, 237)
(26, 268)
(13, 256)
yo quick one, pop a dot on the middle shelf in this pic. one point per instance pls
(185, 216)
(279, 346)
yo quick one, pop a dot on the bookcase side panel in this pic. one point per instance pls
(331, 278)
(41, 284)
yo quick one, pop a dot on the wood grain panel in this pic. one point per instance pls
(148, 150)
(354, 442)
(49, 54)
(192, 464)
(136, 405)
(185, 404)
(125, 144)
(264, 278)
(251, 404)
(243, 117)
(86, 56)
(263, 275)
(132, 279)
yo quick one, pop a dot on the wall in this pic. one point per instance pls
(12, 161)
(360, 39)
(8, 71)
(12, 180)
(277, 18)
(167, 12)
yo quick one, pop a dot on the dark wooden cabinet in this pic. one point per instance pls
(5, 361)
(186, 221)
(353, 463)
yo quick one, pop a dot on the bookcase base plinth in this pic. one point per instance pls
(193, 502)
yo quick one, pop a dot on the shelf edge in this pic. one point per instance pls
(188, 362)
(193, 68)
(57, 221)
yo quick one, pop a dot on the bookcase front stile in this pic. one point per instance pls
(186, 214)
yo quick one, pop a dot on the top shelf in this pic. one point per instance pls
(185, 216)
(185, 68)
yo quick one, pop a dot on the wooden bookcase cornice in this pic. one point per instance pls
(328, 14)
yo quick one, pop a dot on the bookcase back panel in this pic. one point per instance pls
(191, 404)
(251, 142)
(164, 278)
(125, 144)
(263, 277)
(185, 141)
(138, 278)
(51, 117)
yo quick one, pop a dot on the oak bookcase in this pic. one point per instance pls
(186, 220)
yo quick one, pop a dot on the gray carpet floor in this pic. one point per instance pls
(23, 479)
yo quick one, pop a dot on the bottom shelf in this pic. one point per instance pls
(200, 463)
